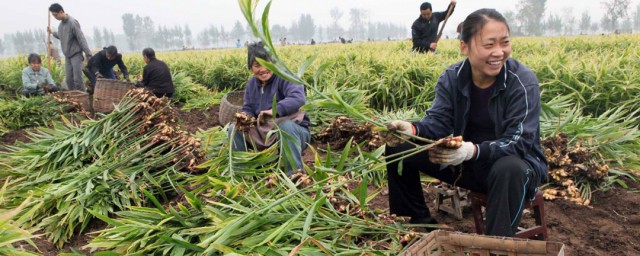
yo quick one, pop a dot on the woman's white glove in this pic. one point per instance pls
(453, 157)
(399, 126)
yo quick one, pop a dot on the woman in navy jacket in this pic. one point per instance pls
(493, 102)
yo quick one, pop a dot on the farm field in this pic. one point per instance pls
(157, 177)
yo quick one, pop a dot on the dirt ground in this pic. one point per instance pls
(610, 226)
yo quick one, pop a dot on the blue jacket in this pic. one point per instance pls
(514, 109)
(31, 80)
(290, 97)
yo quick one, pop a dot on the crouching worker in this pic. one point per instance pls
(156, 75)
(101, 65)
(493, 102)
(258, 96)
(36, 80)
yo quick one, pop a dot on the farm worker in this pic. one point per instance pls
(493, 102)
(73, 44)
(36, 80)
(258, 95)
(156, 75)
(101, 65)
(424, 30)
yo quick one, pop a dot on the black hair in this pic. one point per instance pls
(425, 5)
(476, 21)
(56, 7)
(256, 50)
(34, 57)
(111, 50)
(149, 53)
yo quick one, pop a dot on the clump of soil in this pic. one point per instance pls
(568, 165)
(337, 134)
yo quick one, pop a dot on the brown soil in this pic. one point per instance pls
(609, 226)
(194, 120)
(11, 137)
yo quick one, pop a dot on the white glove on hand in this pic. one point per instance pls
(452, 157)
(399, 126)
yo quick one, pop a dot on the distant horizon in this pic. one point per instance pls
(200, 14)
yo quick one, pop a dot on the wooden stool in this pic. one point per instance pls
(539, 231)
(458, 198)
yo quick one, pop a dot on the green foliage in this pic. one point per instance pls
(28, 112)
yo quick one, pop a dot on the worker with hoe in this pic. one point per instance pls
(73, 44)
(493, 102)
(424, 31)
(101, 65)
(258, 96)
(36, 80)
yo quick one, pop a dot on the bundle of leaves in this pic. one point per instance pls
(343, 129)
(245, 205)
(101, 165)
(573, 170)
(193, 95)
(29, 112)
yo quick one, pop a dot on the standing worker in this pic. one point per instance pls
(493, 102)
(73, 44)
(101, 65)
(424, 31)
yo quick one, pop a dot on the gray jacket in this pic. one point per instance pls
(71, 37)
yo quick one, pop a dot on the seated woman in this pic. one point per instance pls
(36, 80)
(259, 93)
(493, 102)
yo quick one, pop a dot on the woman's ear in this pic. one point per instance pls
(464, 48)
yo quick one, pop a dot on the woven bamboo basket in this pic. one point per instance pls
(78, 96)
(109, 92)
(441, 242)
(230, 105)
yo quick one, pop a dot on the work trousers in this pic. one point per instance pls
(508, 182)
(73, 71)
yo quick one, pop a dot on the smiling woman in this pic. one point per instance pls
(493, 102)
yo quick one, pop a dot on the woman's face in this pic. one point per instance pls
(262, 73)
(488, 50)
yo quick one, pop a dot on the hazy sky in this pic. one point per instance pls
(19, 15)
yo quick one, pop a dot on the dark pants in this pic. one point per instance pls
(508, 182)
(161, 94)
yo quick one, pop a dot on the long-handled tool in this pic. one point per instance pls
(49, 41)
(444, 23)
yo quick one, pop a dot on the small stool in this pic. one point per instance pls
(539, 231)
(458, 198)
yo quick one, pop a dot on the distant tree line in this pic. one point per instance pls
(530, 18)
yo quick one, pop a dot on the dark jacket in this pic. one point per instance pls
(424, 32)
(290, 97)
(100, 63)
(514, 109)
(71, 37)
(156, 76)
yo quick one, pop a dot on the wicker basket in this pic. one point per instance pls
(441, 242)
(230, 105)
(109, 92)
(78, 96)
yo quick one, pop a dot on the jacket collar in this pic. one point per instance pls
(464, 77)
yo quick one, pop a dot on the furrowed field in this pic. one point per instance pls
(157, 177)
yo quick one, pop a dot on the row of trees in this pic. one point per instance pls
(529, 19)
